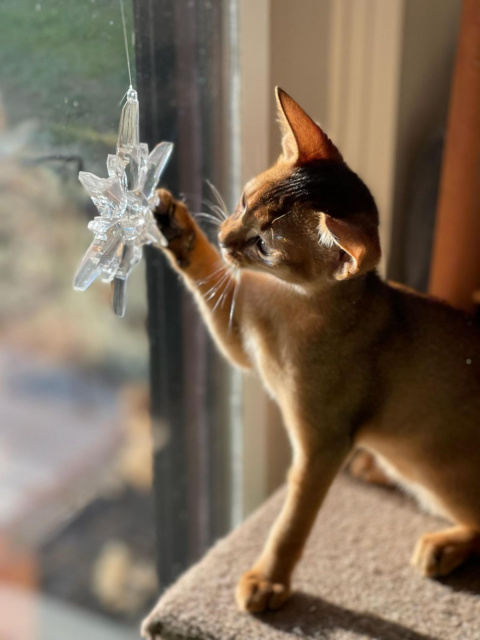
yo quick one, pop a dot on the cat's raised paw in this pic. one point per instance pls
(255, 593)
(171, 214)
(176, 225)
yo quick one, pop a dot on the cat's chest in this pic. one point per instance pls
(267, 357)
(283, 352)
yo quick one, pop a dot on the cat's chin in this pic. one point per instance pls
(229, 260)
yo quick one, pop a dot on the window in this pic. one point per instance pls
(76, 514)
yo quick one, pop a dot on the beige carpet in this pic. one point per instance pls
(353, 582)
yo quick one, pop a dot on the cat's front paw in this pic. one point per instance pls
(255, 593)
(439, 553)
(176, 225)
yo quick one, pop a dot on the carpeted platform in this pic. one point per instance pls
(354, 581)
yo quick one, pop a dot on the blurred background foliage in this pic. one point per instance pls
(63, 74)
(63, 63)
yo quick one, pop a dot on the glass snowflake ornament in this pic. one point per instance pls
(124, 201)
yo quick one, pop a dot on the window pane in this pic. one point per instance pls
(76, 523)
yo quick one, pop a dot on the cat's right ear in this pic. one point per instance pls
(360, 245)
(303, 140)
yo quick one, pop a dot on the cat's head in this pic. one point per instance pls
(308, 219)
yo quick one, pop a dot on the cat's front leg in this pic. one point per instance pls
(216, 290)
(267, 584)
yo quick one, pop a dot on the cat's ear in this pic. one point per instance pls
(360, 245)
(302, 139)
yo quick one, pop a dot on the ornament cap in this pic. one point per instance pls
(129, 129)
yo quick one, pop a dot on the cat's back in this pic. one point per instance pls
(430, 358)
(426, 420)
(425, 327)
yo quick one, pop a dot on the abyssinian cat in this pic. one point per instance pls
(351, 360)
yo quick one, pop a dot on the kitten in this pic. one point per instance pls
(349, 359)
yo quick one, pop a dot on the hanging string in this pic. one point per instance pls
(122, 9)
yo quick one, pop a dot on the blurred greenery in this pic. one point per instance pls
(63, 66)
(63, 63)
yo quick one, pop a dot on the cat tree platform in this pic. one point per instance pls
(354, 581)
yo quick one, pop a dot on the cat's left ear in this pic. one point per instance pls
(302, 139)
(360, 245)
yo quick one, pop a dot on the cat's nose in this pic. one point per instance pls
(227, 250)
(228, 241)
(229, 246)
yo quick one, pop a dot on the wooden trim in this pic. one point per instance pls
(455, 270)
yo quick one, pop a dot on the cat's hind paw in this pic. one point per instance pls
(255, 593)
(364, 466)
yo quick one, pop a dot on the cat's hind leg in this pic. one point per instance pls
(364, 466)
(439, 553)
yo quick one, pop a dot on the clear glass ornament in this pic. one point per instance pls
(124, 201)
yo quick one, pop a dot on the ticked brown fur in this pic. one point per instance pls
(350, 360)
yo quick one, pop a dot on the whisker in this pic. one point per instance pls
(218, 197)
(280, 217)
(226, 288)
(210, 277)
(231, 284)
(221, 267)
(211, 293)
(220, 211)
(209, 218)
(218, 276)
(215, 209)
(232, 303)
(221, 298)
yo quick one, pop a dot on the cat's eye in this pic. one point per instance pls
(261, 246)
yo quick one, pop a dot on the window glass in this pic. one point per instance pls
(75, 470)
